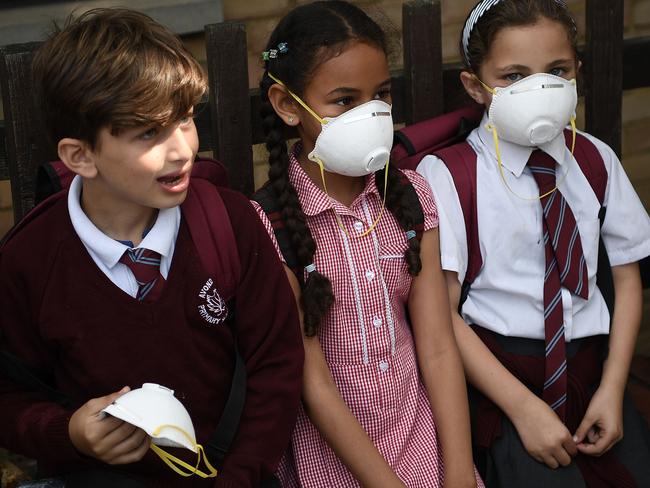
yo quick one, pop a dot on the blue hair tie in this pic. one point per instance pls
(310, 268)
(410, 234)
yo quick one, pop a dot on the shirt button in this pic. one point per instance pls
(377, 322)
(383, 366)
(370, 275)
(358, 226)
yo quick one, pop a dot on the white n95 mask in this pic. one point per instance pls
(156, 410)
(357, 142)
(534, 110)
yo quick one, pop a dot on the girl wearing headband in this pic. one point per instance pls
(548, 360)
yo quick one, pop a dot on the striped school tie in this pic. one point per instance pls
(565, 267)
(145, 266)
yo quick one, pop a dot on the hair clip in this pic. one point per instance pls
(310, 268)
(410, 234)
(283, 48)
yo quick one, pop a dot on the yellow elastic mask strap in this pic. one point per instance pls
(322, 177)
(338, 218)
(495, 137)
(383, 202)
(299, 100)
(173, 462)
(573, 134)
(489, 89)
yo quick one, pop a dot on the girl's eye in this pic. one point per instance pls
(382, 95)
(558, 71)
(148, 134)
(344, 102)
(513, 77)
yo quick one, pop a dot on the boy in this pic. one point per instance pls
(117, 91)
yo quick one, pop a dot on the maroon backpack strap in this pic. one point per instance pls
(211, 230)
(460, 160)
(592, 166)
(413, 142)
(591, 163)
(33, 214)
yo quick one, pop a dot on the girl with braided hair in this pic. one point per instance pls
(378, 388)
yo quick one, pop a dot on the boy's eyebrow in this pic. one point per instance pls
(348, 90)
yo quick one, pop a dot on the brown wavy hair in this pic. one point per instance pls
(113, 68)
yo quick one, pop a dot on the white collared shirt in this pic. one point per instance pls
(106, 252)
(507, 295)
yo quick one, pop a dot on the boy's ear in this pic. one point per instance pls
(284, 105)
(78, 157)
(474, 88)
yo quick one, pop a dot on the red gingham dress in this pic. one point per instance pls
(366, 339)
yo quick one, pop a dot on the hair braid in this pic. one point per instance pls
(404, 213)
(317, 295)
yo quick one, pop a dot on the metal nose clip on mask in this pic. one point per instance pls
(155, 409)
(534, 110)
(356, 143)
(530, 112)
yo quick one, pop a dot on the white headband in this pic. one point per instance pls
(478, 12)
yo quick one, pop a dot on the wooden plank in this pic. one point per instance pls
(4, 169)
(203, 122)
(635, 71)
(227, 59)
(422, 34)
(604, 71)
(25, 144)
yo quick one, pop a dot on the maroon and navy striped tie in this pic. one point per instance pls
(565, 267)
(145, 266)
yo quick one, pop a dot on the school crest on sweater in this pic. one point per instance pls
(214, 310)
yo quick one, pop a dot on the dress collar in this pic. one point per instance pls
(314, 200)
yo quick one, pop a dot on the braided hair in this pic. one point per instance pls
(315, 31)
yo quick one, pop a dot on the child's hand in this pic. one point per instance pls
(602, 426)
(543, 434)
(104, 437)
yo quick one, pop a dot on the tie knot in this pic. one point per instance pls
(143, 263)
(145, 266)
(140, 255)
(542, 166)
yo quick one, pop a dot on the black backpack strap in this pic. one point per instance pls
(268, 200)
(228, 424)
(20, 374)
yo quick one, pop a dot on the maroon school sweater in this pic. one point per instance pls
(61, 315)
